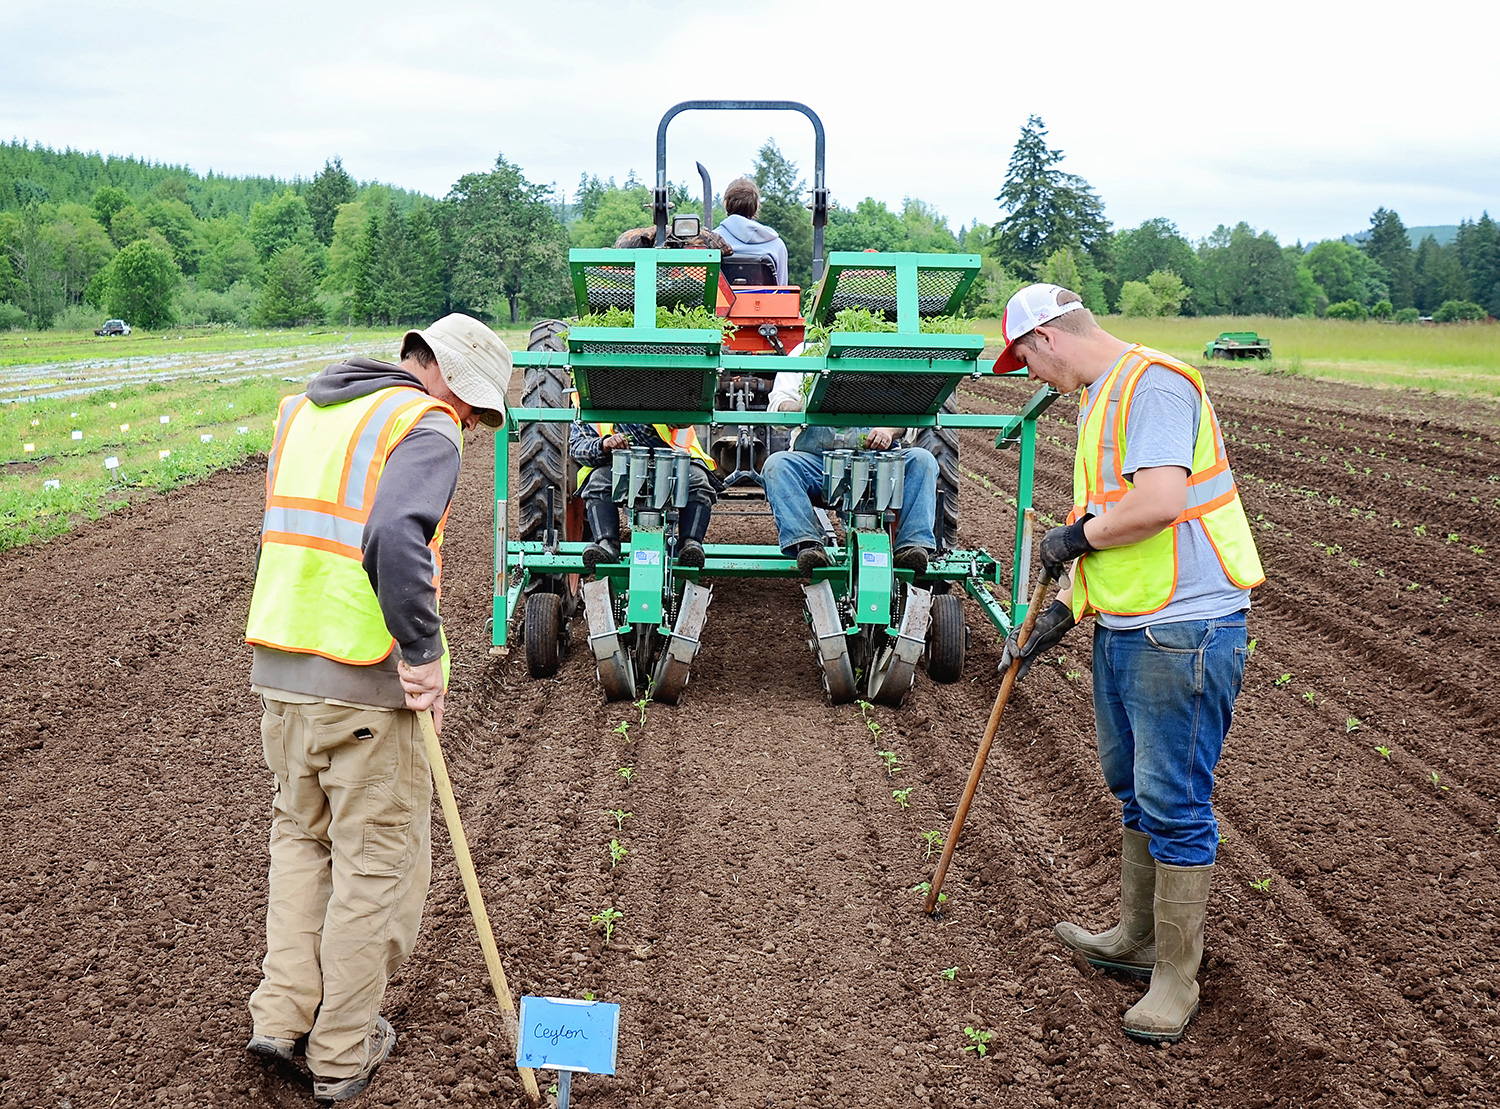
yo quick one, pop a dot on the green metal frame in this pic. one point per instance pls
(604, 359)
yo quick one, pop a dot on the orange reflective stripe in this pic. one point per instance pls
(290, 539)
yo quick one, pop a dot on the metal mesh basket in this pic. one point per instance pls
(614, 286)
(639, 390)
(875, 291)
(878, 394)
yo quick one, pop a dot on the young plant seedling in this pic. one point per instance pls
(932, 840)
(1073, 675)
(1250, 648)
(922, 889)
(1310, 697)
(1384, 752)
(607, 919)
(1261, 885)
(950, 974)
(1351, 725)
(979, 1040)
(617, 853)
(641, 706)
(902, 797)
(627, 774)
(1283, 680)
(892, 762)
(621, 816)
(623, 728)
(1437, 782)
(864, 711)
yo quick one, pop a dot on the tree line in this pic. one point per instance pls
(157, 245)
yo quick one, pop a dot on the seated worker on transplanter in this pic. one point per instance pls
(592, 445)
(740, 231)
(791, 478)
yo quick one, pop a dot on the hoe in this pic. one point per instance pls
(871, 625)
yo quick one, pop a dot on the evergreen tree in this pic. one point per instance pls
(33, 257)
(289, 293)
(783, 209)
(1479, 252)
(1390, 248)
(329, 189)
(280, 222)
(1438, 276)
(1045, 209)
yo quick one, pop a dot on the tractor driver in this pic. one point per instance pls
(792, 477)
(591, 445)
(743, 233)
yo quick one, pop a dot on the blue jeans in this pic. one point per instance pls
(791, 478)
(1163, 701)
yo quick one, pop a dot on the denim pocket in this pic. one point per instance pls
(1183, 637)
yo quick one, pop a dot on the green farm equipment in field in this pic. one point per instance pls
(1237, 344)
(871, 624)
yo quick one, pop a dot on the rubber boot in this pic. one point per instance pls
(692, 526)
(604, 521)
(1130, 946)
(1181, 905)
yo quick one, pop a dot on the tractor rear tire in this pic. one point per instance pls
(947, 639)
(943, 443)
(543, 455)
(543, 634)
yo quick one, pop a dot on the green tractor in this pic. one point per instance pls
(871, 624)
(1237, 344)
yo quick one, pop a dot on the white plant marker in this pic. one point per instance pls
(243, 430)
(111, 404)
(124, 427)
(166, 419)
(36, 423)
(163, 454)
(29, 447)
(72, 415)
(205, 438)
(111, 463)
(77, 435)
(51, 483)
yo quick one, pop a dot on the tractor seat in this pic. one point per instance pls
(748, 269)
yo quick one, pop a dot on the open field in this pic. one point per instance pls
(771, 950)
(1461, 359)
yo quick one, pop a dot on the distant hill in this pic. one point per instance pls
(1444, 233)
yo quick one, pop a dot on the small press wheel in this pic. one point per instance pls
(947, 639)
(543, 634)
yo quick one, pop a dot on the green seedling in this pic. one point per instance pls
(892, 762)
(864, 712)
(950, 974)
(1073, 675)
(623, 728)
(933, 840)
(1310, 697)
(588, 995)
(1261, 885)
(1437, 782)
(1250, 648)
(607, 919)
(902, 797)
(627, 774)
(979, 1040)
(621, 816)
(924, 888)
(617, 853)
(641, 706)
(1351, 725)
(1384, 752)
(1283, 680)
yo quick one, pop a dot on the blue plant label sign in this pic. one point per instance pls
(648, 558)
(873, 558)
(560, 1033)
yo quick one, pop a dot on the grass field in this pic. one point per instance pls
(1463, 359)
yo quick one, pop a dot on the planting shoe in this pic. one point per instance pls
(277, 1047)
(604, 521)
(1181, 906)
(1130, 946)
(913, 559)
(692, 526)
(377, 1050)
(810, 557)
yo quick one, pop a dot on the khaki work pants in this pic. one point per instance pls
(351, 860)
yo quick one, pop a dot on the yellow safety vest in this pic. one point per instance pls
(681, 438)
(312, 595)
(1141, 578)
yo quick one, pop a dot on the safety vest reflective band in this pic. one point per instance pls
(1141, 578)
(312, 594)
(682, 438)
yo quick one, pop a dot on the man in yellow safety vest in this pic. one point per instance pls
(349, 646)
(1163, 558)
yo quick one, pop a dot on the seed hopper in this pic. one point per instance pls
(871, 625)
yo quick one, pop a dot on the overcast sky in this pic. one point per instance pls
(1298, 117)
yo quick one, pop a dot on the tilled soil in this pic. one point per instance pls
(772, 951)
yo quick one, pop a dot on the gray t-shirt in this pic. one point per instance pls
(1161, 431)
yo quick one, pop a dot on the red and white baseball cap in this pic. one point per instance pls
(1028, 309)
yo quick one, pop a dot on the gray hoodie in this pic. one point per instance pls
(749, 237)
(413, 493)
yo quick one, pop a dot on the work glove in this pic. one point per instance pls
(1046, 633)
(1061, 546)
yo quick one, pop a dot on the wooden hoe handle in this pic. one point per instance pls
(1006, 685)
(476, 898)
